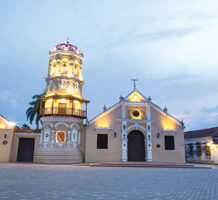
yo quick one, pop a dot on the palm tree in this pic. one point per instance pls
(25, 126)
(32, 113)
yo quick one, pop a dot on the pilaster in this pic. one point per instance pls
(124, 135)
(149, 137)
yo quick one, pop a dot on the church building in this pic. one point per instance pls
(134, 129)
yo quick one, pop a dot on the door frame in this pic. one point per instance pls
(144, 144)
(19, 149)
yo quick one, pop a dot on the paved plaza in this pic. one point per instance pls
(34, 181)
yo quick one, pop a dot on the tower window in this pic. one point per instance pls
(169, 143)
(102, 141)
(60, 136)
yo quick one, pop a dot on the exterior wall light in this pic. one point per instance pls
(149, 127)
(115, 134)
(158, 135)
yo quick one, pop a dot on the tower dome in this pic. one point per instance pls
(66, 48)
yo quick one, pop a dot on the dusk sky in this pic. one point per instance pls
(171, 46)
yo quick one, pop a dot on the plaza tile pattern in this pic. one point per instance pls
(34, 181)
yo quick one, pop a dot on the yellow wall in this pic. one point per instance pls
(5, 148)
(109, 124)
(15, 143)
(113, 153)
(6, 134)
(171, 129)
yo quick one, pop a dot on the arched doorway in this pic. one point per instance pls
(136, 146)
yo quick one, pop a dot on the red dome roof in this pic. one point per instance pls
(66, 47)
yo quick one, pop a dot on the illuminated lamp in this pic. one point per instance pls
(12, 124)
(135, 98)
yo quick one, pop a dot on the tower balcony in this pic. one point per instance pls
(63, 112)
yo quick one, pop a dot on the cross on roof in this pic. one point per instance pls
(134, 82)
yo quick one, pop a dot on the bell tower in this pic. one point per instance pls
(63, 108)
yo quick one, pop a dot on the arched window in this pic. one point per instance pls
(65, 62)
(64, 65)
(76, 68)
(53, 67)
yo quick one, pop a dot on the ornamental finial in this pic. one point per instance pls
(68, 40)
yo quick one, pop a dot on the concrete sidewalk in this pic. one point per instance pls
(141, 164)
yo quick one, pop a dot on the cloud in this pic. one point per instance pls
(206, 117)
(209, 110)
(10, 97)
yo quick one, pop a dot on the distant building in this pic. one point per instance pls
(134, 129)
(202, 145)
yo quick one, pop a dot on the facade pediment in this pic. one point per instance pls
(135, 96)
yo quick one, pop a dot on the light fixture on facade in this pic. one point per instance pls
(149, 127)
(12, 124)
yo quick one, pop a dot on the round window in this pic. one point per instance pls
(135, 113)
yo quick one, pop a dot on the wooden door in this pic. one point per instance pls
(136, 146)
(25, 150)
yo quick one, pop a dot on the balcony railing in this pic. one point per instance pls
(63, 111)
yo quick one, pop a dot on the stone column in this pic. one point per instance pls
(124, 135)
(79, 138)
(124, 149)
(203, 157)
(74, 137)
(52, 137)
(46, 139)
(145, 141)
(41, 135)
(149, 138)
(68, 137)
(195, 157)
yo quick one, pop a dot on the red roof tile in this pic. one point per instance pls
(22, 130)
(201, 133)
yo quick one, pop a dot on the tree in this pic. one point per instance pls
(25, 126)
(32, 113)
